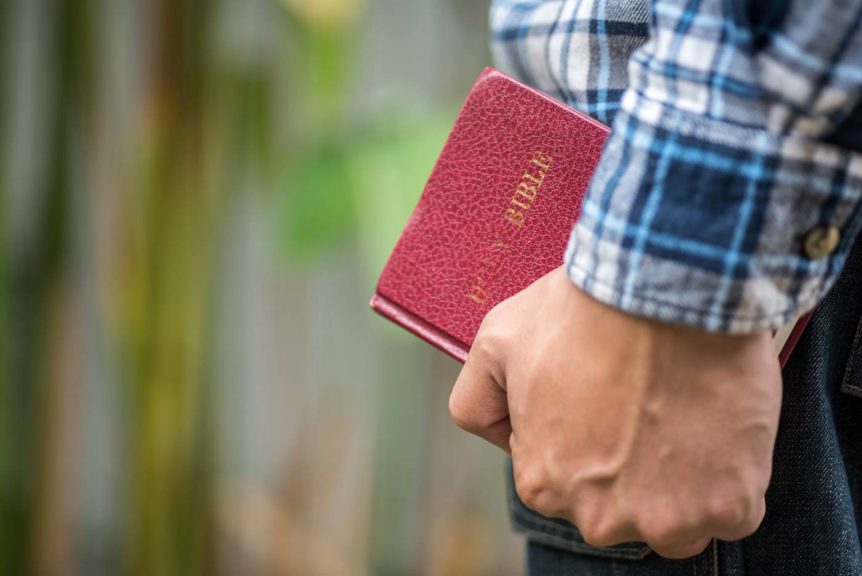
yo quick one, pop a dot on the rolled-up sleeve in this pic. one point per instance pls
(718, 202)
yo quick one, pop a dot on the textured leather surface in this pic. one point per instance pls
(458, 242)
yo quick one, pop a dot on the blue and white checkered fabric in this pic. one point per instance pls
(720, 162)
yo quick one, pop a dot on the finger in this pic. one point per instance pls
(600, 521)
(611, 534)
(684, 550)
(736, 526)
(478, 403)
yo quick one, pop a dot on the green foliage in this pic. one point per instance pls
(361, 187)
(315, 207)
(322, 64)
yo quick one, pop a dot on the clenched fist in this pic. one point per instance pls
(632, 429)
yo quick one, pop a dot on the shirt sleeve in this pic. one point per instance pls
(718, 202)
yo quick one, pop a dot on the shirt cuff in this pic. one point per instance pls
(713, 225)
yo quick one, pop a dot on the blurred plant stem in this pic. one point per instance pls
(31, 273)
(326, 14)
(325, 52)
(7, 430)
(167, 299)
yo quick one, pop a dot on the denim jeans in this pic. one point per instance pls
(814, 502)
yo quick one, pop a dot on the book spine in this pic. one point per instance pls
(794, 337)
(459, 351)
(413, 323)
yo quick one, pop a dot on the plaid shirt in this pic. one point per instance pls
(726, 198)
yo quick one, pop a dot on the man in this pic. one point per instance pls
(637, 387)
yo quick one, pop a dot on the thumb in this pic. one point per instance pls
(478, 403)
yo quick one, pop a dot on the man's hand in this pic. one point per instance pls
(632, 429)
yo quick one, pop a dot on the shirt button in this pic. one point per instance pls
(822, 241)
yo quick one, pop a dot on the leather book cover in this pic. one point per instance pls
(495, 214)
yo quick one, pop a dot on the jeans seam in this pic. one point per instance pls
(853, 365)
(714, 557)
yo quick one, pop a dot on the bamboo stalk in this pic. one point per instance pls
(171, 507)
(7, 515)
(29, 275)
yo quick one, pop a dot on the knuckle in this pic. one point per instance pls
(684, 551)
(532, 488)
(597, 526)
(729, 514)
(755, 519)
(460, 412)
(738, 521)
(464, 416)
(456, 411)
(492, 332)
(496, 314)
(665, 533)
(598, 534)
(530, 492)
(586, 516)
(486, 347)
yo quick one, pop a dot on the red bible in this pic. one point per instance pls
(496, 213)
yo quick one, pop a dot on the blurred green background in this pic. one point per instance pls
(196, 197)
